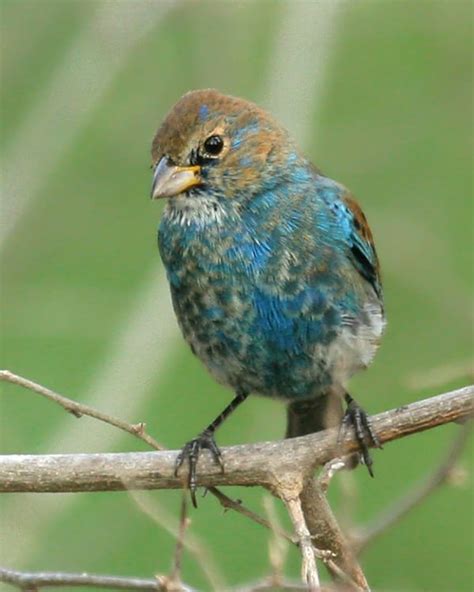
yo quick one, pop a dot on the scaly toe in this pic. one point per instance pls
(357, 417)
(191, 451)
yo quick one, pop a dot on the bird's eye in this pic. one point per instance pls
(214, 145)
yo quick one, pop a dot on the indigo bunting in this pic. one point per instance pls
(272, 266)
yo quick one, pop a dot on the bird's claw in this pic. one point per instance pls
(191, 452)
(355, 416)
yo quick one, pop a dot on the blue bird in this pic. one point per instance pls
(272, 267)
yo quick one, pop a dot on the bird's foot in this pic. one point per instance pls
(355, 416)
(191, 452)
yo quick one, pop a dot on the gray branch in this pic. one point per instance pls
(260, 464)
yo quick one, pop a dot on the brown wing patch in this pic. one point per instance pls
(360, 221)
(362, 227)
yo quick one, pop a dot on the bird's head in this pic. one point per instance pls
(210, 143)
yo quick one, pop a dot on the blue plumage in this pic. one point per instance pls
(272, 267)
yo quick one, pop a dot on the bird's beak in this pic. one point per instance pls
(170, 180)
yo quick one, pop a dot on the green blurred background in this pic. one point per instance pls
(380, 95)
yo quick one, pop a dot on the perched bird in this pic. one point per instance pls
(272, 267)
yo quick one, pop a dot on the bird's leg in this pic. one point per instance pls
(205, 439)
(357, 417)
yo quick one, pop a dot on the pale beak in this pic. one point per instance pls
(170, 180)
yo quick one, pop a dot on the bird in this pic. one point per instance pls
(272, 267)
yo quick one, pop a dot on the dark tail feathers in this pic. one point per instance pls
(314, 415)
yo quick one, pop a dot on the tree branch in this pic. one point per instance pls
(138, 430)
(30, 581)
(79, 409)
(33, 581)
(285, 468)
(326, 534)
(249, 465)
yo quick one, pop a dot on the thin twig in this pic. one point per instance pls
(184, 521)
(441, 375)
(277, 545)
(367, 534)
(309, 570)
(32, 581)
(29, 581)
(80, 409)
(228, 503)
(267, 585)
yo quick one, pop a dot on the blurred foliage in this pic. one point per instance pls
(395, 126)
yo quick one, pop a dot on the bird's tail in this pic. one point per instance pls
(314, 415)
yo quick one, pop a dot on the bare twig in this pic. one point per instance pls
(33, 581)
(228, 503)
(80, 409)
(309, 571)
(254, 464)
(267, 585)
(277, 545)
(366, 535)
(175, 577)
(441, 375)
(29, 581)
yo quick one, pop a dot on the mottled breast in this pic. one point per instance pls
(270, 303)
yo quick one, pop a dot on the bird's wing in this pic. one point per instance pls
(305, 263)
(354, 230)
